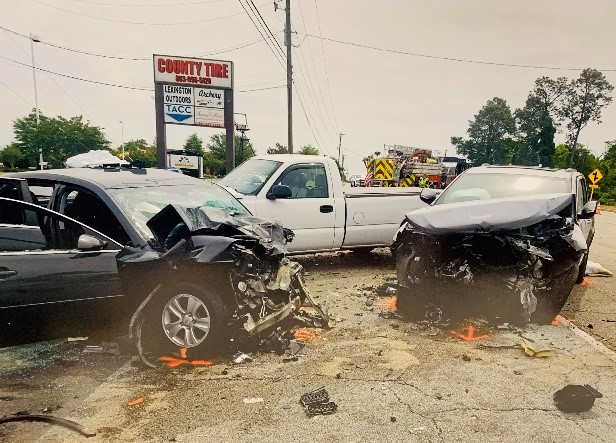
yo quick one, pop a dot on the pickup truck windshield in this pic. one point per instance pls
(249, 177)
(470, 187)
(142, 203)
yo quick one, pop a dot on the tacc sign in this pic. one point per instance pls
(192, 71)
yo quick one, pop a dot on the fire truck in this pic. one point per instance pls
(405, 166)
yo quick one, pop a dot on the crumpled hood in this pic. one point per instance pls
(494, 215)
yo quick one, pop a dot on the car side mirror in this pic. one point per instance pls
(279, 191)
(588, 211)
(89, 243)
(427, 195)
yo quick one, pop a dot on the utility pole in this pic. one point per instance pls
(340, 148)
(33, 39)
(287, 42)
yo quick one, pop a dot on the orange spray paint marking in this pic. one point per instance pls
(173, 362)
(183, 352)
(135, 402)
(391, 303)
(470, 334)
(555, 322)
(585, 282)
(305, 334)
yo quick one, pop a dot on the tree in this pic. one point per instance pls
(583, 160)
(58, 138)
(193, 145)
(585, 98)
(279, 149)
(490, 134)
(536, 131)
(10, 155)
(138, 151)
(341, 169)
(214, 158)
(308, 150)
(607, 186)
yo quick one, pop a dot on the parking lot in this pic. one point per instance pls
(392, 380)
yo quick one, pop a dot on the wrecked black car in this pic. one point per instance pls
(508, 243)
(222, 275)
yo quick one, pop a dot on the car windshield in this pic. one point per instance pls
(142, 203)
(249, 177)
(477, 186)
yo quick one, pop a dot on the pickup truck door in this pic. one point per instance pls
(38, 267)
(309, 212)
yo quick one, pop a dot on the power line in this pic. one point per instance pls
(135, 88)
(272, 49)
(16, 93)
(273, 37)
(262, 89)
(147, 5)
(331, 102)
(450, 59)
(68, 11)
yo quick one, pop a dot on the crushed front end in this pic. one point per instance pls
(502, 269)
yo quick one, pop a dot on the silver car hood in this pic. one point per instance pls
(494, 215)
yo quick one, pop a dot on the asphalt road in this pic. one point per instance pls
(392, 380)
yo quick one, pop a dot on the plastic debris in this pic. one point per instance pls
(317, 402)
(250, 401)
(596, 270)
(241, 357)
(535, 350)
(576, 398)
(104, 348)
(135, 402)
(71, 339)
(69, 424)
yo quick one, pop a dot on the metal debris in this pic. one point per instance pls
(576, 398)
(104, 348)
(240, 358)
(317, 402)
(69, 424)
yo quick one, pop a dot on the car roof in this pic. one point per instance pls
(110, 177)
(525, 170)
(289, 157)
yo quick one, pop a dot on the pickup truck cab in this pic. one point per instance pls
(305, 194)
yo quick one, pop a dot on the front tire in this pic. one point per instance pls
(184, 315)
(551, 303)
(582, 271)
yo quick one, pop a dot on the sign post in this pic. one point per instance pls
(594, 177)
(194, 92)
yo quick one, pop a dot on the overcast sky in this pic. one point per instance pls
(374, 97)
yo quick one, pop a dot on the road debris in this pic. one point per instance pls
(317, 402)
(72, 339)
(535, 350)
(596, 270)
(68, 424)
(251, 401)
(104, 348)
(135, 402)
(576, 398)
(241, 357)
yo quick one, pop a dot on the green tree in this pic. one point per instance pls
(308, 150)
(583, 160)
(585, 98)
(214, 158)
(278, 149)
(57, 137)
(607, 186)
(10, 155)
(193, 145)
(536, 131)
(138, 151)
(490, 134)
(341, 169)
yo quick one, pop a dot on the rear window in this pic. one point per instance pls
(469, 187)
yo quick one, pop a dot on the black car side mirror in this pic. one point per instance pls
(279, 191)
(427, 195)
(588, 211)
(88, 243)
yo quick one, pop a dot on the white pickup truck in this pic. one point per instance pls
(305, 194)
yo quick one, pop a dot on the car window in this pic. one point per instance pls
(54, 232)
(305, 181)
(249, 177)
(90, 210)
(581, 195)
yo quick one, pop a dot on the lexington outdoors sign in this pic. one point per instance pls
(195, 92)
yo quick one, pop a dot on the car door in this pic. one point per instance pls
(38, 267)
(310, 210)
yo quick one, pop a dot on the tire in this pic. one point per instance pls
(582, 271)
(184, 315)
(549, 306)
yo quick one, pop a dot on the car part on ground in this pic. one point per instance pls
(576, 398)
(317, 402)
(517, 257)
(222, 275)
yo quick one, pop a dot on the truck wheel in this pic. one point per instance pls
(582, 272)
(552, 301)
(184, 315)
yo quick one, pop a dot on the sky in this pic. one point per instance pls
(375, 97)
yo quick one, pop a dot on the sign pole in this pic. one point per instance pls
(229, 131)
(161, 131)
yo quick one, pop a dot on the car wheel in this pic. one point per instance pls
(551, 301)
(582, 271)
(184, 315)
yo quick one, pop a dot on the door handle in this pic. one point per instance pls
(326, 208)
(6, 272)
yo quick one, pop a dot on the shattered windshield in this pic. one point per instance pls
(469, 187)
(249, 178)
(141, 204)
